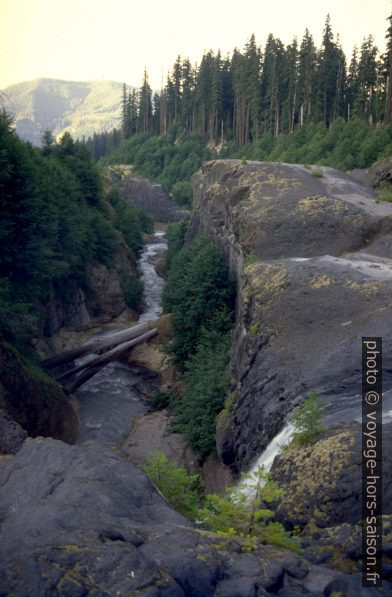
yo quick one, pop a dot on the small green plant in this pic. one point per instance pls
(243, 161)
(384, 193)
(317, 174)
(244, 512)
(229, 403)
(255, 328)
(308, 419)
(180, 489)
(250, 259)
(307, 166)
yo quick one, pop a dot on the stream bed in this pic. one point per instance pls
(109, 401)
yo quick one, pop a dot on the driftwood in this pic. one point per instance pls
(97, 345)
(93, 366)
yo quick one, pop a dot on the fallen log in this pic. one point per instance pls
(92, 367)
(97, 345)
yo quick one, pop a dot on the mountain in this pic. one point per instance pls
(80, 107)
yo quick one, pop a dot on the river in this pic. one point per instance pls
(109, 401)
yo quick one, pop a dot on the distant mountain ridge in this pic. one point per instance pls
(80, 107)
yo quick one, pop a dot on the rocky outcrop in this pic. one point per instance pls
(323, 482)
(34, 401)
(380, 172)
(78, 520)
(12, 435)
(311, 249)
(99, 300)
(145, 194)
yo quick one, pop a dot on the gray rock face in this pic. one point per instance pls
(34, 401)
(312, 251)
(151, 197)
(323, 482)
(78, 520)
(380, 172)
(12, 435)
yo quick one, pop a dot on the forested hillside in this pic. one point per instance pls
(294, 103)
(55, 221)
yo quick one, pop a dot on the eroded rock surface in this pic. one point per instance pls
(311, 249)
(323, 482)
(34, 401)
(12, 435)
(78, 520)
(151, 197)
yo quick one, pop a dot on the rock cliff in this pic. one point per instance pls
(311, 249)
(145, 194)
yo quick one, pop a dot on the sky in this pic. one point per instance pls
(117, 39)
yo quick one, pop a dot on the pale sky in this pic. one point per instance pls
(116, 39)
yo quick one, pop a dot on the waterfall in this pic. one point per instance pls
(267, 456)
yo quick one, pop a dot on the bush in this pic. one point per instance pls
(180, 489)
(248, 518)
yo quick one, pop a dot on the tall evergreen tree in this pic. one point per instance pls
(388, 74)
(145, 105)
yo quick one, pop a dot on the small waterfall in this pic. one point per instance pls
(266, 458)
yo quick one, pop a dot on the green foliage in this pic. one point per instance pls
(54, 222)
(197, 287)
(344, 145)
(308, 419)
(175, 236)
(249, 518)
(250, 259)
(206, 384)
(384, 193)
(180, 489)
(182, 193)
(132, 288)
(169, 159)
(317, 174)
(163, 399)
(200, 297)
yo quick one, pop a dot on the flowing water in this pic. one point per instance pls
(109, 400)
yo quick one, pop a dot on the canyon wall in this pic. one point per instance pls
(310, 248)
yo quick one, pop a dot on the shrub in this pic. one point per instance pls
(249, 518)
(180, 489)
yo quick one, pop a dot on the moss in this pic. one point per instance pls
(311, 475)
(254, 329)
(229, 404)
(317, 174)
(322, 281)
(367, 288)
